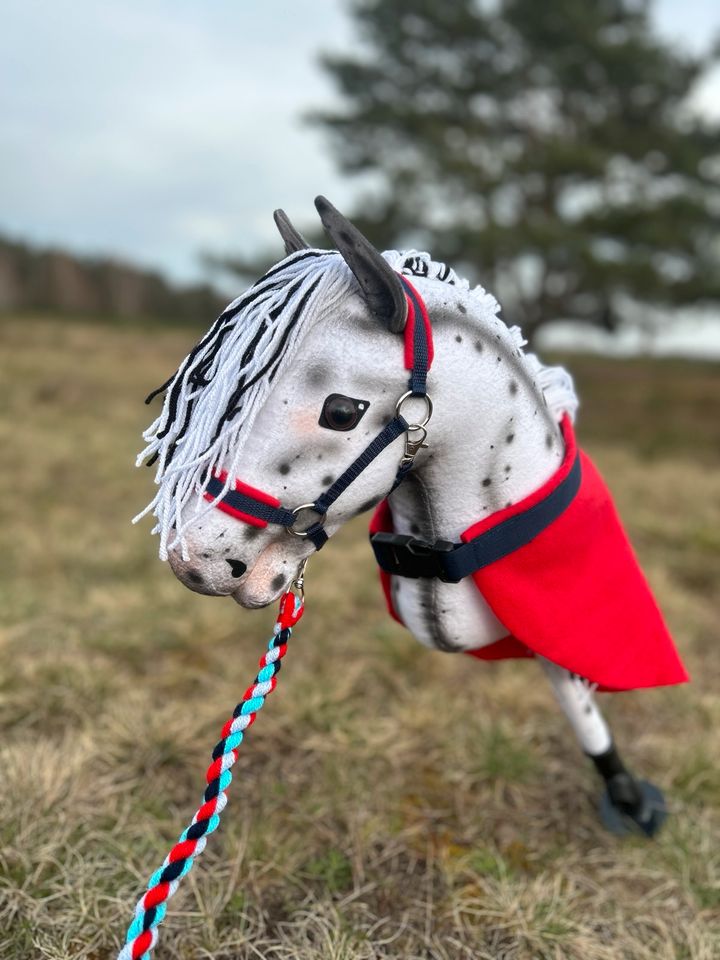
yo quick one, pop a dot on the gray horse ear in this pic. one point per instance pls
(379, 283)
(292, 239)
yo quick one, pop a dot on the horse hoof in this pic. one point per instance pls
(642, 819)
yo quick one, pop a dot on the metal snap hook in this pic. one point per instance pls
(413, 446)
(298, 584)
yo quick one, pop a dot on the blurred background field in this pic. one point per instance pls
(390, 802)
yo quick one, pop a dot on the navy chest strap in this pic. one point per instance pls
(406, 556)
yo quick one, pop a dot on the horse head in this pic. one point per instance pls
(282, 393)
(262, 444)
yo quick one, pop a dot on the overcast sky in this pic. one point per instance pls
(155, 130)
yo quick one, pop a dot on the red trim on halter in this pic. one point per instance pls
(410, 328)
(249, 491)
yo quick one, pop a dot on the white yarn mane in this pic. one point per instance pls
(211, 402)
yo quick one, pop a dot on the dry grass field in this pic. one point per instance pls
(390, 802)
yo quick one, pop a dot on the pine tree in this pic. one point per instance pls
(546, 148)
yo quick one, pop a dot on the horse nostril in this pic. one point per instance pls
(194, 577)
(237, 566)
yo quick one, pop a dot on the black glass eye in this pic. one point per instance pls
(342, 413)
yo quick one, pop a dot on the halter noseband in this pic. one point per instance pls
(258, 508)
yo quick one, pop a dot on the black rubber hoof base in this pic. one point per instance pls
(645, 822)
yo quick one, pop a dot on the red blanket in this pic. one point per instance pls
(575, 594)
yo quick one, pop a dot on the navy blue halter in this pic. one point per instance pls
(395, 553)
(245, 502)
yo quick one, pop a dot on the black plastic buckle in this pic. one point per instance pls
(406, 556)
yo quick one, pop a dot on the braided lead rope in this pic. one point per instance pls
(142, 934)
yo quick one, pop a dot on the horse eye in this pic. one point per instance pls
(342, 413)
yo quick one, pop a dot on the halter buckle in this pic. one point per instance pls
(405, 556)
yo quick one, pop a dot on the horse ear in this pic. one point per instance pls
(293, 240)
(379, 283)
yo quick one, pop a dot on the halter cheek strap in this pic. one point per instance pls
(259, 508)
(419, 351)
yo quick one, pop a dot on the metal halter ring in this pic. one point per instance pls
(296, 511)
(417, 396)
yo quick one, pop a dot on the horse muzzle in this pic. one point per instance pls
(210, 577)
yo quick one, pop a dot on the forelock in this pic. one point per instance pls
(215, 395)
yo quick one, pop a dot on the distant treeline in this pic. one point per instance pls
(51, 280)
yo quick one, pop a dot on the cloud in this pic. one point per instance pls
(156, 130)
